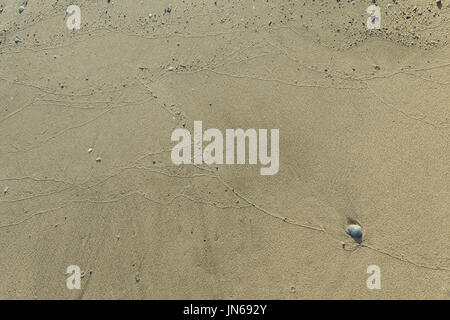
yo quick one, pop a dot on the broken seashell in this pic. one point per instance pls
(90, 150)
(5, 191)
(98, 160)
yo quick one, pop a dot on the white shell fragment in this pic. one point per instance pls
(98, 160)
(171, 68)
(5, 191)
(90, 150)
(354, 230)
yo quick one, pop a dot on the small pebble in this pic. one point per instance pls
(6, 190)
(354, 230)
(90, 150)
(17, 40)
(98, 160)
(170, 69)
(21, 8)
(150, 16)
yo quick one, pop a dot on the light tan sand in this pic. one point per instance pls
(364, 134)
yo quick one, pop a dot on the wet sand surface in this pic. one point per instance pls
(364, 123)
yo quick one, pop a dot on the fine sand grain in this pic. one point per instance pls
(86, 118)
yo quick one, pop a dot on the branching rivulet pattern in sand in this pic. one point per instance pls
(363, 116)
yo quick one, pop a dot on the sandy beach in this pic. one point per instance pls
(87, 178)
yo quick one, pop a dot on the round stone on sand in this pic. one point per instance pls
(354, 231)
